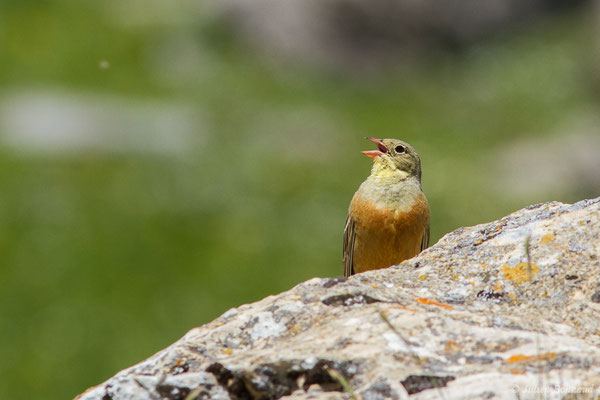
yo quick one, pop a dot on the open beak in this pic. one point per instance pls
(376, 153)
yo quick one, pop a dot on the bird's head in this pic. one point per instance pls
(394, 157)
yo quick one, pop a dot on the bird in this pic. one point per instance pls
(388, 217)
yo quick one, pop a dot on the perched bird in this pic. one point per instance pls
(388, 218)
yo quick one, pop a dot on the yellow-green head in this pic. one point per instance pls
(394, 157)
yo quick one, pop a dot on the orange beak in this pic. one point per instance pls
(376, 153)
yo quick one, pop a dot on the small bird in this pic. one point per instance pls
(388, 217)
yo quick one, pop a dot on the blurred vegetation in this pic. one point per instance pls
(107, 258)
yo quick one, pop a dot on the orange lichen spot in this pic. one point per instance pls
(227, 352)
(179, 366)
(433, 303)
(517, 372)
(404, 308)
(582, 223)
(520, 273)
(374, 285)
(521, 358)
(512, 297)
(547, 238)
(451, 345)
(421, 277)
(179, 362)
(295, 329)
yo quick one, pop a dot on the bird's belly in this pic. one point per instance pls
(385, 236)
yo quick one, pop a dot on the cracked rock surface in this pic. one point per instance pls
(505, 310)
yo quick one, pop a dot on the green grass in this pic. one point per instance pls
(107, 259)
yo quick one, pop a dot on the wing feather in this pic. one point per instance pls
(425, 239)
(348, 252)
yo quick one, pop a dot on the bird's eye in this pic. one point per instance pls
(400, 149)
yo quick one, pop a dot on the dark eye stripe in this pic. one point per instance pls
(399, 149)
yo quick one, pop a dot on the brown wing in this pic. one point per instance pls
(425, 239)
(348, 253)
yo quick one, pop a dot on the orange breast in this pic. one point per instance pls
(384, 236)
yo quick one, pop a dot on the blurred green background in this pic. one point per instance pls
(156, 168)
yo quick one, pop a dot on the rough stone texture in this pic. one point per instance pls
(468, 318)
(359, 36)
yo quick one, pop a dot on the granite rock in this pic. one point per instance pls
(507, 309)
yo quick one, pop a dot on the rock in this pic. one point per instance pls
(363, 36)
(523, 323)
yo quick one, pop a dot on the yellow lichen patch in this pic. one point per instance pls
(498, 288)
(521, 358)
(522, 272)
(227, 352)
(295, 329)
(421, 277)
(517, 372)
(547, 238)
(582, 222)
(374, 285)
